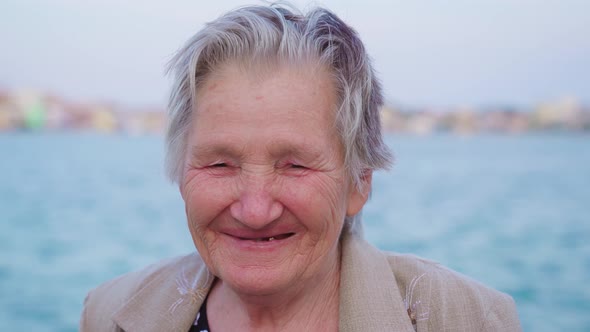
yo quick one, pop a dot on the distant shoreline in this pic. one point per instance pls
(32, 112)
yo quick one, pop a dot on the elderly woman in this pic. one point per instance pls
(273, 138)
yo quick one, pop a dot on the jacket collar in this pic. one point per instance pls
(370, 299)
(170, 301)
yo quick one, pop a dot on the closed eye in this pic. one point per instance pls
(298, 166)
(219, 165)
(221, 169)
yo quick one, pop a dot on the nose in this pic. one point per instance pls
(256, 207)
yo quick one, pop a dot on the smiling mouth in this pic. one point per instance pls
(268, 239)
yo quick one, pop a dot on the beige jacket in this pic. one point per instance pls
(379, 292)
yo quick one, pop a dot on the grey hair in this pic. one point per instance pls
(279, 34)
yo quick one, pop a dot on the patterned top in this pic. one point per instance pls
(201, 324)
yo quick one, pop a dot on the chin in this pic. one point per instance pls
(257, 281)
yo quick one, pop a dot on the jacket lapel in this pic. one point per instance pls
(170, 301)
(369, 296)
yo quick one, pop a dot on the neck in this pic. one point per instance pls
(310, 305)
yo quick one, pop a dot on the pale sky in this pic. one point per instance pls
(428, 53)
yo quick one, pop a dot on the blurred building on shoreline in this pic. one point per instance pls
(33, 111)
(563, 115)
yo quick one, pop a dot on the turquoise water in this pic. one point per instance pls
(513, 212)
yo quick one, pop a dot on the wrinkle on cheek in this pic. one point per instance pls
(212, 247)
(333, 190)
(193, 223)
(191, 178)
(200, 184)
(332, 214)
(205, 241)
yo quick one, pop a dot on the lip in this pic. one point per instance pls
(261, 241)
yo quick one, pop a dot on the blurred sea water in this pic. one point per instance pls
(510, 211)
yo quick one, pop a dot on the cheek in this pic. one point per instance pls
(317, 201)
(205, 197)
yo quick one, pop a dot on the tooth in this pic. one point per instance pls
(271, 238)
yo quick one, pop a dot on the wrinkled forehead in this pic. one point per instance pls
(258, 69)
(288, 106)
(309, 75)
(289, 93)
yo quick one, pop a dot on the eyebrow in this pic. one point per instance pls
(200, 151)
(277, 149)
(307, 151)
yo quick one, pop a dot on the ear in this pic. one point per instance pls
(359, 196)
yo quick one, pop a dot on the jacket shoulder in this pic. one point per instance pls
(102, 302)
(440, 299)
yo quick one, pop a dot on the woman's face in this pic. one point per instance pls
(265, 187)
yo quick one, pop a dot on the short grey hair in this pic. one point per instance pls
(280, 34)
